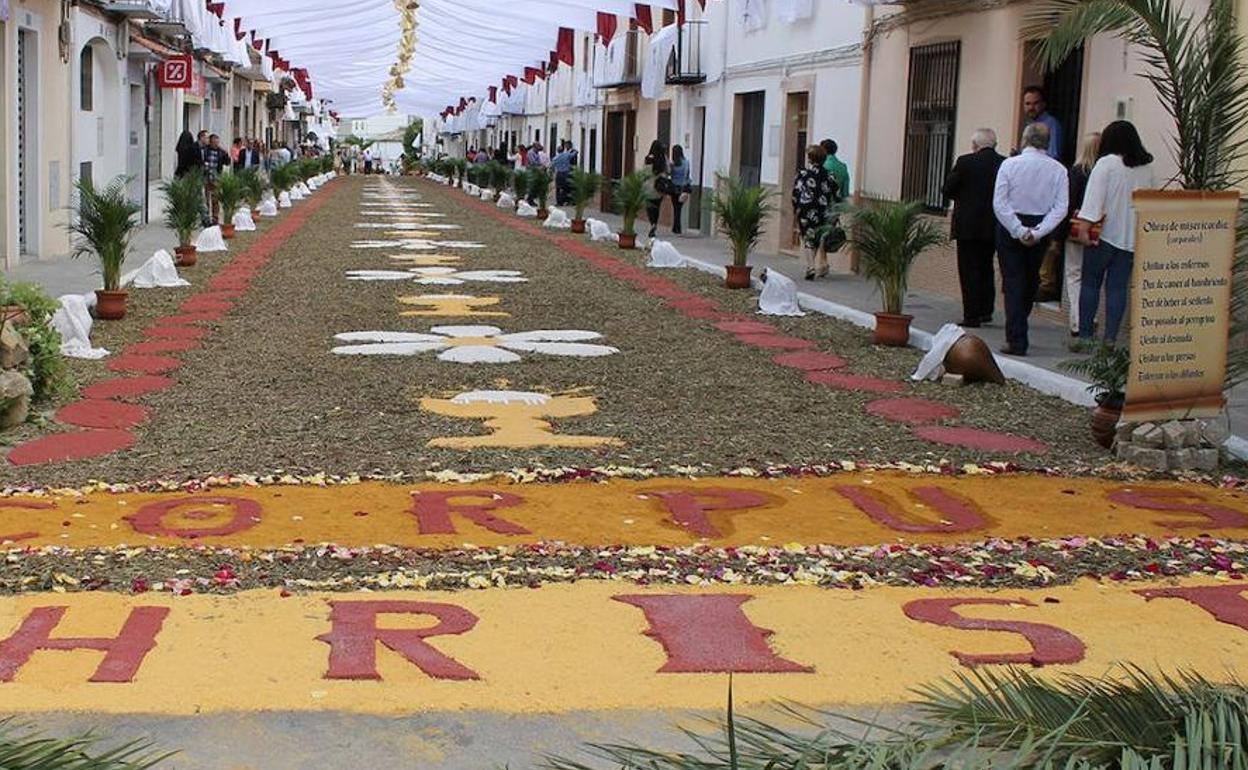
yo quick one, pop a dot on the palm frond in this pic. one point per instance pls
(104, 221)
(888, 238)
(631, 194)
(741, 212)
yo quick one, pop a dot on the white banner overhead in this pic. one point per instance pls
(462, 46)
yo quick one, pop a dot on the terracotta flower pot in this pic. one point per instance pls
(628, 241)
(187, 256)
(110, 305)
(14, 314)
(1105, 417)
(543, 214)
(255, 212)
(227, 231)
(578, 226)
(738, 276)
(892, 330)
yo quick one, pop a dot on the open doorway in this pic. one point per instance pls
(1063, 90)
(749, 137)
(796, 139)
(617, 152)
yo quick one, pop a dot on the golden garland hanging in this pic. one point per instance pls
(407, 46)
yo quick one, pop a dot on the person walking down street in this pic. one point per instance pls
(660, 183)
(215, 160)
(562, 165)
(1089, 151)
(1124, 167)
(840, 174)
(368, 160)
(519, 156)
(248, 157)
(1030, 200)
(814, 192)
(190, 155)
(973, 226)
(682, 187)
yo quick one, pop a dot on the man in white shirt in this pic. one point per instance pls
(1029, 201)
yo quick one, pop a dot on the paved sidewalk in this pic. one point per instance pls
(79, 276)
(1049, 338)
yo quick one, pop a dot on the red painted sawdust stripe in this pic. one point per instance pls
(759, 334)
(107, 424)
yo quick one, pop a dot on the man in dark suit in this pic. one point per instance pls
(970, 186)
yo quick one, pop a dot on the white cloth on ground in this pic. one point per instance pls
(487, 194)
(73, 321)
(933, 364)
(779, 295)
(525, 210)
(283, 200)
(242, 220)
(557, 220)
(599, 230)
(157, 272)
(211, 240)
(664, 254)
(268, 207)
(296, 194)
(505, 201)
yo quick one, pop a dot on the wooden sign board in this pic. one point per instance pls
(1180, 303)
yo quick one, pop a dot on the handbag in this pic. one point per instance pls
(1085, 232)
(663, 185)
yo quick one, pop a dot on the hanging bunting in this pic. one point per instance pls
(493, 94)
(565, 49)
(608, 23)
(644, 17)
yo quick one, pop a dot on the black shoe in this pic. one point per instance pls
(1010, 350)
(968, 323)
(653, 231)
(985, 320)
(810, 275)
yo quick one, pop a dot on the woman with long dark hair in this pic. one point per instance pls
(682, 186)
(1124, 166)
(190, 155)
(656, 161)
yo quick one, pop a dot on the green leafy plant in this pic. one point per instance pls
(889, 237)
(104, 221)
(253, 186)
(630, 198)
(1107, 370)
(540, 180)
(411, 137)
(1197, 67)
(22, 749)
(499, 175)
(46, 369)
(740, 213)
(1009, 720)
(184, 205)
(459, 168)
(283, 178)
(520, 184)
(585, 185)
(231, 191)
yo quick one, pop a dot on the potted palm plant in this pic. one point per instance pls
(104, 221)
(460, 169)
(184, 211)
(499, 175)
(231, 190)
(539, 189)
(630, 197)
(1107, 369)
(888, 238)
(585, 185)
(520, 184)
(253, 189)
(740, 211)
(283, 178)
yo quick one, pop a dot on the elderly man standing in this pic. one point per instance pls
(1029, 201)
(970, 186)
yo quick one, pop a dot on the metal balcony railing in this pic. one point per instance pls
(136, 9)
(685, 65)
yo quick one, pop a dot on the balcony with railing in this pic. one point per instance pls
(684, 66)
(148, 10)
(620, 65)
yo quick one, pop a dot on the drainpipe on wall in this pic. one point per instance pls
(864, 119)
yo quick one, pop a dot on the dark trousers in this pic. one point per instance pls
(677, 208)
(563, 187)
(1020, 280)
(1109, 265)
(653, 208)
(977, 277)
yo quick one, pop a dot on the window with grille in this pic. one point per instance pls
(86, 80)
(931, 110)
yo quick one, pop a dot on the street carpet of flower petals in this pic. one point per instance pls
(1023, 563)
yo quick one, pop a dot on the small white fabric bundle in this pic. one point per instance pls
(242, 220)
(599, 230)
(283, 201)
(505, 201)
(557, 220)
(933, 364)
(211, 240)
(779, 296)
(664, 254)
(526, 210)
(487, 195)
(303, 188)
(73, 320)
(156, 273)
(268, 207)
(296, 194)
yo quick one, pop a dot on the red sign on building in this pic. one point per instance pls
(175, 72)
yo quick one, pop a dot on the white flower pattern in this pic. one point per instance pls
(474, 344)
(417, 244)
(438, 276)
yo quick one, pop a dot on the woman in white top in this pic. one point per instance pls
(1124, 167)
